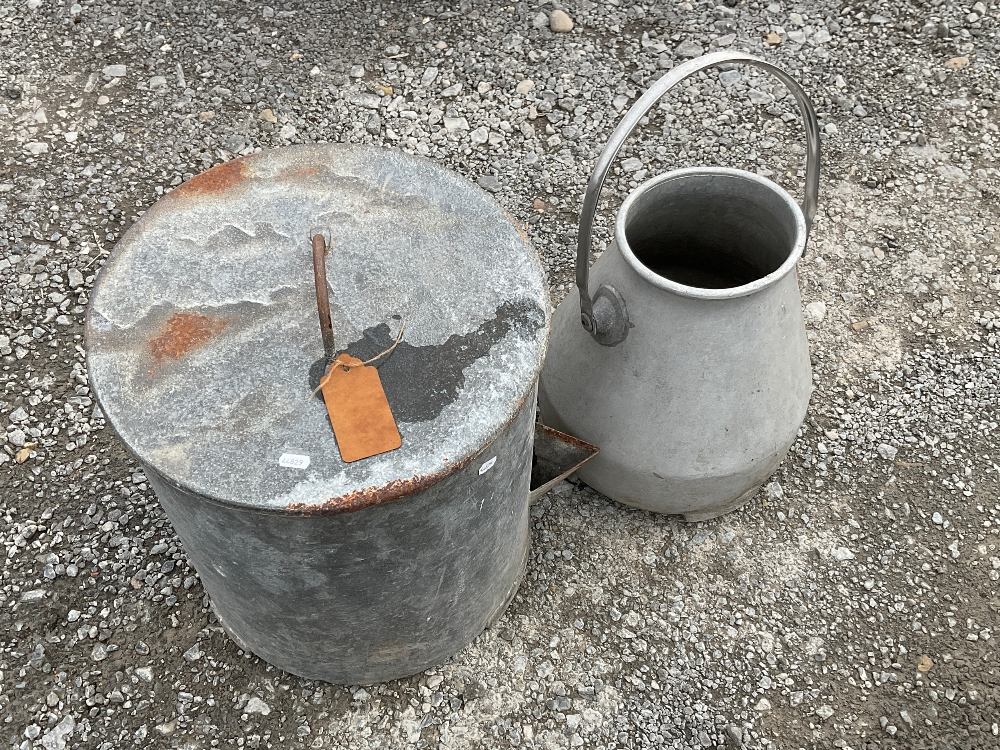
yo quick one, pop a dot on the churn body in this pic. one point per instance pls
(699, 404)
(204, 352)
(689, 364)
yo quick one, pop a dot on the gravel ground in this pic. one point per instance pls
(853, 604)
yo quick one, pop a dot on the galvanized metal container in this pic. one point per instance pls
(689, 364)
(204, 351)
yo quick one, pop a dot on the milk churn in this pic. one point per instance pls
(688, 366)
(205, 353)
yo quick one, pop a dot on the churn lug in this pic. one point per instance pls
(610, 317)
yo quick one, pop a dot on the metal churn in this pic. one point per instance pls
(689, 364)
(205, 354)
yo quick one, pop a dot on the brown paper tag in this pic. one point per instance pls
(359, 412)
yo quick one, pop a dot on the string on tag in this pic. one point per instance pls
(350, 365)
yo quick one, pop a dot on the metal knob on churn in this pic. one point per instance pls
(205, 354)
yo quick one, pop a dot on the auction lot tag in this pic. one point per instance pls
(359, 411)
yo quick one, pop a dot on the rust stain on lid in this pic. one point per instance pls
(182, 333)
(297, 173)
(218, 179)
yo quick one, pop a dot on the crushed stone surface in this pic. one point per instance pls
(854, 603)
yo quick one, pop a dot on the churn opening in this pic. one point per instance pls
(712, 229)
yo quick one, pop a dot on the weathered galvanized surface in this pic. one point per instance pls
(693, 375)
(204, 343)
(204, 349)
(390, 590)
(700, 403)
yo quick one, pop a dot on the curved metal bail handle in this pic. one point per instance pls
(640, 109)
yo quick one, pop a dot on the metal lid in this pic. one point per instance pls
(204, 343)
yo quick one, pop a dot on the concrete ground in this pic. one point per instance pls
(853, 603)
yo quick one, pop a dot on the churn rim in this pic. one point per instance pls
(798, 247)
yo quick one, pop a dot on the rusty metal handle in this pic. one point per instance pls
(319, 250)
(607, 323)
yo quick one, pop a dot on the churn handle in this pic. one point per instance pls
(609, 325)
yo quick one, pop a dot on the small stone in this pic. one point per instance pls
(102, 100)
(560, 22)
(937, 518)
(455, 123)
(34, 596)
(842, 554)
(157, 83)
(256, 706)
(888, 452)
(71, 136)
(357, 71)
(489, 182)
(763, 705)
(267, 115)
(524, 86)
(145, 674)
(631, 164)
(99, 652)
(167, 728)
(773, 38)
(454, 90)
(824, 712)
(925, 664)
(816, 311)
(287, 132)
(75, 278)
(689, 48)
(193, 654)
(36, 147)
(55, 738)
(429, 75)
(19, 415)
(734, 736)
(729, 77)
(374, 124)
(956, 63)
(821, 37)
(480, 136)
(114, 71)
(73, 615)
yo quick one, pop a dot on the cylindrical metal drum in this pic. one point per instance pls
(204, 352)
